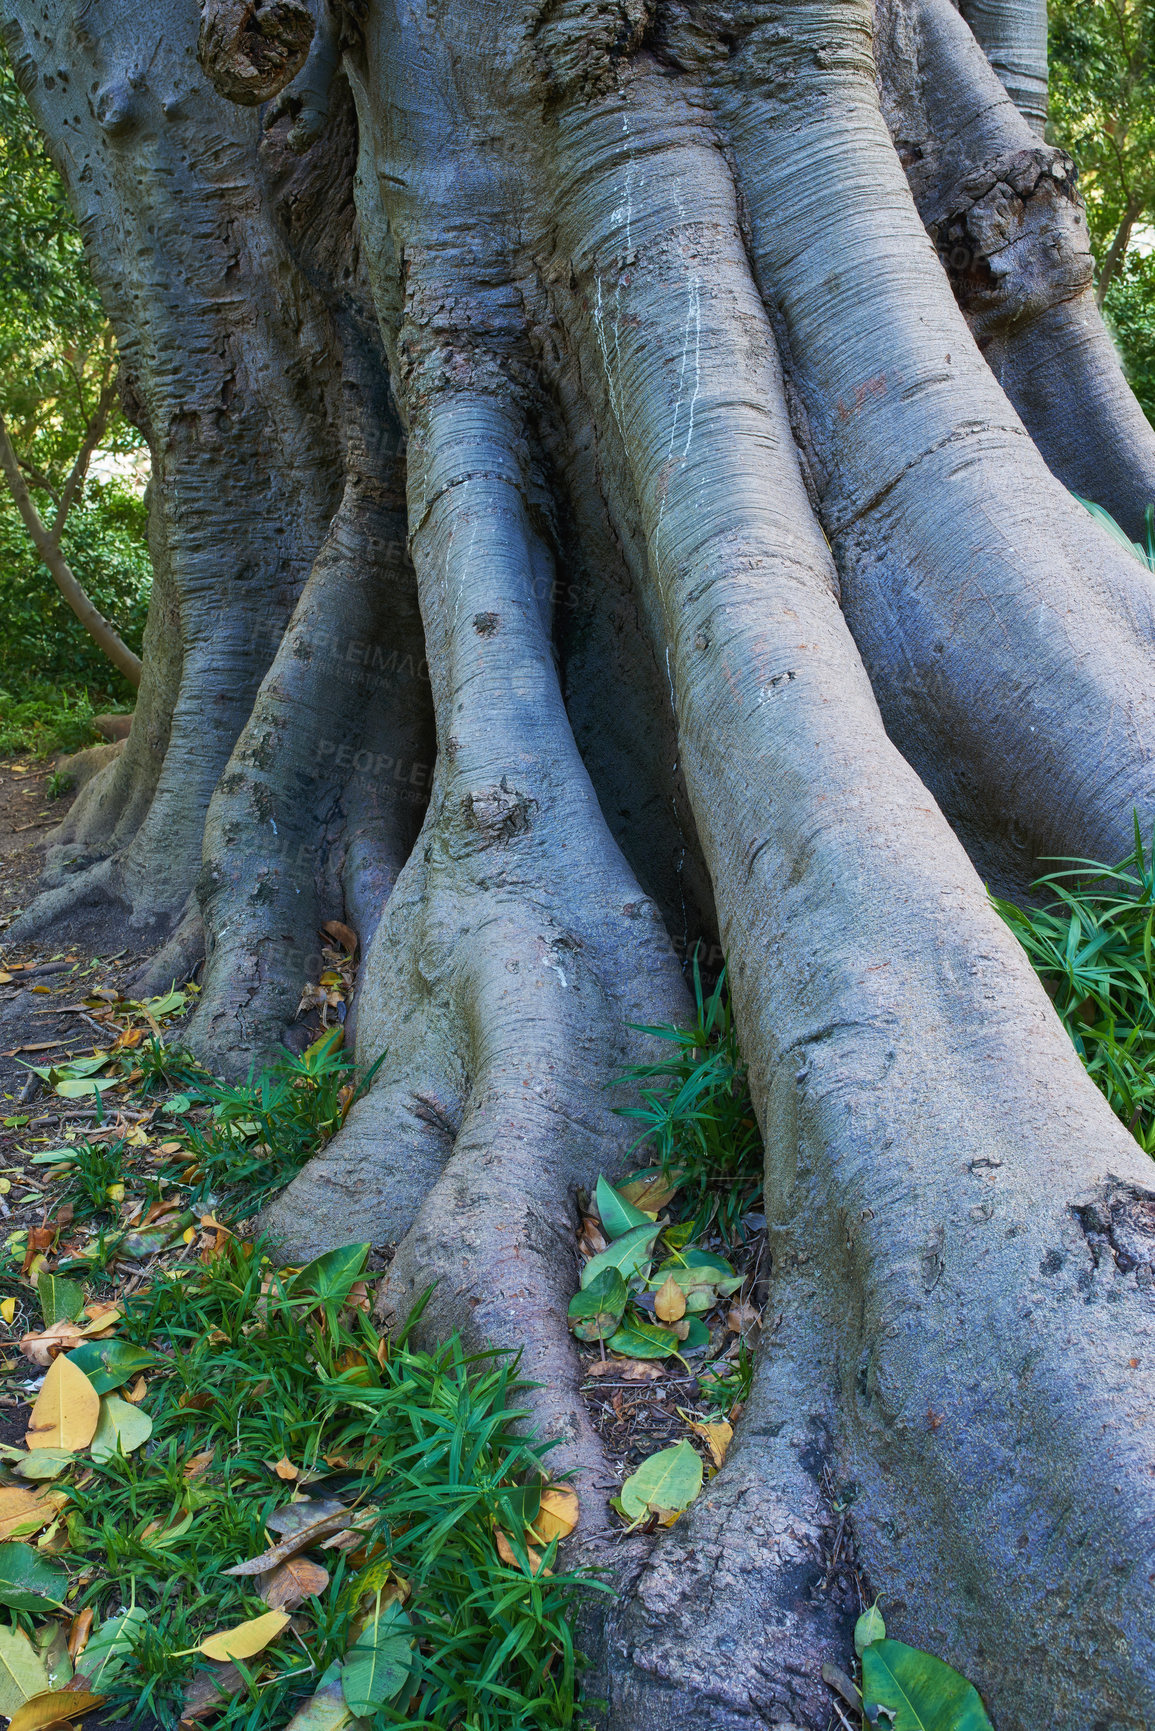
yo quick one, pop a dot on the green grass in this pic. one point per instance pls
(425, 1445)
(698, 1116)
(1091, 943)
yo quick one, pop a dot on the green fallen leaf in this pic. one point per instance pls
(110, 1645)
(616, 1214)
(178, 1103)
(597, 1309)
(378, 1663)
(166, 1006)
(328, 1709)
(73, 1068)
(331, 1277)
(79, 1089)
(53, 1157)
(666, 1483)
(635, 1339)
(60, 1300)
(28, 1582)
(22, 1672)
(120, 1429)
(629, 1254)
(697, 1335)
(920, 1691)
(109, 1364)
(43, 1463)
(869, 1627)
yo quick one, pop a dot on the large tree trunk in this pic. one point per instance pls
(751, 594)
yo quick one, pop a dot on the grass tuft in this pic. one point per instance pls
(1091, 944)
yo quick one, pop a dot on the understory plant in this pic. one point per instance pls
(1091, 943)
(697, 1114)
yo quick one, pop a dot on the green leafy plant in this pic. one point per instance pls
(1091, 944)
(905, 1689)
(697, 1114)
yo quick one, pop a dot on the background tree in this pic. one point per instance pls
(744, 361)
(1102, 109)
(58, 402)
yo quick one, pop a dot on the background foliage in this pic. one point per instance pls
(54, 346)
(1103, 112)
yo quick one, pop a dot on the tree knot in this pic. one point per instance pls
(497, 813)
(250, 49)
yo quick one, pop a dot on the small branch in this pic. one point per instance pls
(38, 479)
(92, 438)
(48, 547)
(1116, 252)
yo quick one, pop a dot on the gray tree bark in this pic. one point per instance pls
(638, 353)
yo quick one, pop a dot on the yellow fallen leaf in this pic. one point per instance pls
(8, 1311)
(717, 1438)
(23, 1513)
(137, 1392)
(67, 1409)
(670, 1301)
(188, 1234)
(115, 1193)
(558, 1514)
(56, 1707)
(245, 1639)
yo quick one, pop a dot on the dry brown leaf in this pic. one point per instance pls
(41, 1346)
(67, 1409)
(198, 1465)
(40, 1240)
(343, 934)
(285, 1469)
(558, 1515)
(209, 1691)
(670, 1301)
(741, 1318)
(716, 1436)
(54, 1707)
(292, 1583)
(653, 1193)
(300, 1540)
(79, 1632)
(137, 1392)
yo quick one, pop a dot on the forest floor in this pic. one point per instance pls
(129, 1183)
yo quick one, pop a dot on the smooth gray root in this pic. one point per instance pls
(322, 798)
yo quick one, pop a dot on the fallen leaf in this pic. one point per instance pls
(210, 1689)
(40, 1239)
(664, 1485)
(328, 1709)
(558, 1514)
(79, 1632)
(110, 1647)
(23, 1513)
(121, 1429)
(717, 1438)
(285, 1469)
(292, 1582)
(627, 1370)
(22, 1672)
(41, 1346)
(43, 1463)
(302, 1524)
(509, 1556)
(669, 1302)
(28, 1582)
(741, 1318)
(343, 934)
(244, 1640)
(7, 1311)
(54, 1707)
(376, 1666)
(651, 1191)
(137, 1392)
(198, 1465)
(67, 1409)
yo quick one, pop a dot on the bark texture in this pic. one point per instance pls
(639, 353)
